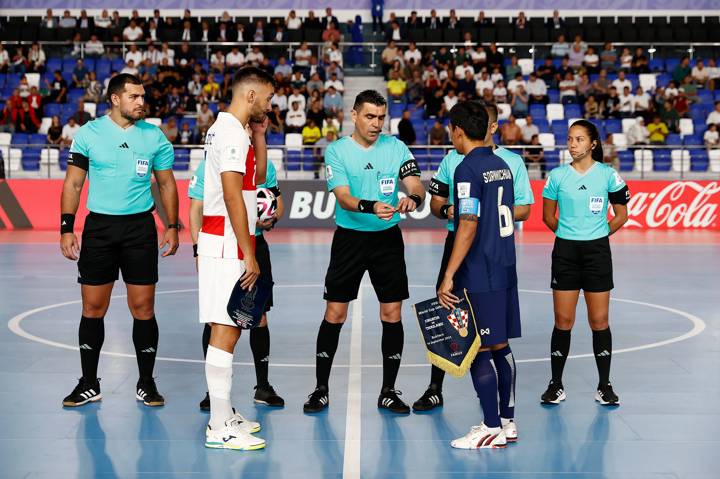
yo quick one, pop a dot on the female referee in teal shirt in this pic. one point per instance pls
(581, 257)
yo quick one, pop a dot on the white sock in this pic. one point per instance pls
(218, 372)
(505, 422)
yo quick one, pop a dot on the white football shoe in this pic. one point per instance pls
(481, 437)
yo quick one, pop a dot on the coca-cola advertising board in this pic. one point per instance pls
(677, 205)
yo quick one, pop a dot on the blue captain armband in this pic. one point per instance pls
(468, 206)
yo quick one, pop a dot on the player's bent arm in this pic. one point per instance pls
(549, 218)
(232, 183)
(464, 236)
(195, 219)
(168, 193)
(260, 147)
(521, 212)
(620, 218)
(345, 199)
(72, 188)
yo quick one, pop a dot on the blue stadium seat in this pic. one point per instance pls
(627, 160)
(663, 79)
(705, 97)
(552, 160)
(673, 139)
(698, 114)
(559, 127)
(12, 81)
(102, 108)
(661, 160)
(67, 76)
(102, 68)
(53, 109)
(2, 79)
(19, 139)
(30, 165)
(671, 63)
(68, 65)
(89, 63)
(656, 64)
(634, 80)
(613, 126)
(53, 64)
(542, 124)
(699, 160)
(118, 64)
(37, 139)
(573, 111)
(293, 161)
(694, 140)
(75, 94)
(276, 139)
(538, 112)
(396, 109)
(554, 96)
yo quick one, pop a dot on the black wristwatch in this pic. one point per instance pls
(177, 226)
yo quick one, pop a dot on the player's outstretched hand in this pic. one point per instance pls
(445, 297)
(171, 239)
(252, 271)
(69, 246)
(406, 205)
(383, 210)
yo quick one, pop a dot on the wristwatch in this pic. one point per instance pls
(177, 226)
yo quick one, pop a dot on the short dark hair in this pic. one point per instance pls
(369, 96)
(492, 111)
(252, 74)
(117, 84)
(472, 118)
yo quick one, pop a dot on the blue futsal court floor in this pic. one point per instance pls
(666, 331)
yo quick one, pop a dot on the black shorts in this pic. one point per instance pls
(585, 265)
(113, 243)
(380, 253)
(447, 251)
(262, 255)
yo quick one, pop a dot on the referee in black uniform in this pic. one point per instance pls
(119, 152)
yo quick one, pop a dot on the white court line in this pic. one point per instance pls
(353, 428)
(16, 328)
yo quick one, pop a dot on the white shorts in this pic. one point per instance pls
(217, 278)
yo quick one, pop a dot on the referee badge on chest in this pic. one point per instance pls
(141, 167)
(596, 204)
(387, 186)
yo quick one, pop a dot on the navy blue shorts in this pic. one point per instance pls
(497, 315)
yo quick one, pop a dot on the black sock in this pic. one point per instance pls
(505, 368)
(559, 349)
(260, 346)
(327, 343)
(91, 336)
(436, 378)
(206, 338)
(393, 338)
(145, 338)
(602, 347)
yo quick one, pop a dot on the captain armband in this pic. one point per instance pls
(79, 160)
(409, 168)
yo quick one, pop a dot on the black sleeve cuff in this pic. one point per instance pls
(620, 197)
(78, 160)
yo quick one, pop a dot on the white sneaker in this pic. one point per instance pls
(232, 436)
(510, 429)
(481, 437)
(245, 424)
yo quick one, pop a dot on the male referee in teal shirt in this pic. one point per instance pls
(118, 152)
(364, 171)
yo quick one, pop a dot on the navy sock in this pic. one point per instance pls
(206, 338)
(485, 381)
(145, 338)
(505, 366)
(559, 350)
(327, 343)
(393, 338)
(91, 336)
(602, 347)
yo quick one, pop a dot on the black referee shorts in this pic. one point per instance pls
(262, 255)
(380, 253)
(114, 243)
(447, 251)
(585, 265)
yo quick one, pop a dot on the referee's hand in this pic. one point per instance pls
(445, 297)
(69, 246)
(252, 271)
(406, 205)
(171, 239)
(384, 211)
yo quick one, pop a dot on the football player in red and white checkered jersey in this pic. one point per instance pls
(226, 246)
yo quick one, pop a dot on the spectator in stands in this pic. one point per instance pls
(466, 86)
(130, 68)
(311, 132)
(276, 124)
(24, 87)
(331, 34)
(713, 117)
(282, 71)
(672, 91)
(298, 97)
(170, 130)
(151, 32)
(593, 109)
(682, 70)
(681, 105)
(316, 112)
(155, 104)
(185, 137)
(376, 11)
(94, 47)
(134, 54)
(638, 134)
(621, 82)
(18, 63)
(412, 52)
(388, 56)
(657, 131)
(690, 89)
(259, 35)
(610, 155)
(334, 82)
(534, 153)
(293, 22)
(713, 74)
(133, 32)
(483, 82)
(547, 71)
(510, 133)
(103, 21)
(437, 134)
(80, 74)
(564, 69)
(152, 54)
(494, 57)
(295, 118)
(711, 138)
(255, 57)
(406, 131)
(520, 22)
(576, 56)
(626, 103)
(520, 102)
(187, 34)
(450, 100)
(611, 105)
(608, 57)
(529, 130)
(211, 90)
(329, 18)
(81, 116)
(35, 101)
(626, 59)
(699, 74)
(512, 69)
(4, 59)
(235, 59)
(516, 82)
(58, 88)
(414, 90)
(641, 103)
(333, 101)
(54, 134)
(396, 87)
(49, 21)
(555, 24)
(500, 93)
(640, 63)
(584, 87)
(452, 22)
(434, 104)
(67, 21)
(302, 56)
(217, 62)
(36, 59)
(7, 125)
(175, 103)
(205, 119)
(560, 48)
(25, 120)
(601, 86)
(591, 61)
(568, 89)
(69, 131)
(434, 22)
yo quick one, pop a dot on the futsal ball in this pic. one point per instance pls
(266, 203)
